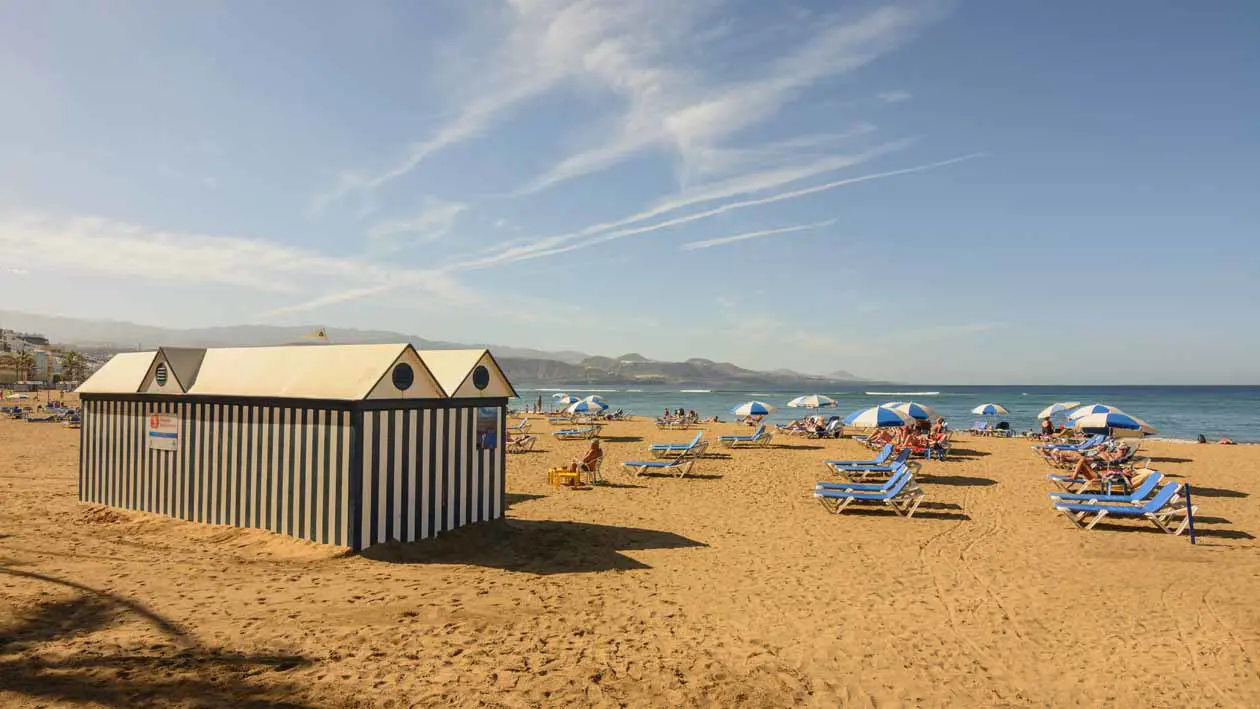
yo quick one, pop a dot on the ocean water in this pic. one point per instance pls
(1175, 411)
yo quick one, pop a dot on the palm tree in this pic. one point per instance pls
(25, 362)
(72, 365)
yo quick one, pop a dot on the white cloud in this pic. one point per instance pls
(894, 96)
(539, 45)
(435, 219)
(681, 112)
(707, 243)
(565, 243)
(15, 271)
(115, 248)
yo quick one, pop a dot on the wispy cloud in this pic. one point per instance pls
(435, 219)
(551, 246)
(542, 43)
(683, 113)
(115, 248)
(707, 243)
(894, 96)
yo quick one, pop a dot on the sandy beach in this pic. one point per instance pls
(731, 587)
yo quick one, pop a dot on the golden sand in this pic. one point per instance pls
(728, 588)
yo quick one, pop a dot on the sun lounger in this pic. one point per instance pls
(678, 467)
(1139, 493)
(666, 450)
(862, 471)
(903, 497)
(577, 434)
(1091, 442)
(864, 487)
(881, 459)
(760, 437)
(524, 444)
(521, 427)
(1160, 510)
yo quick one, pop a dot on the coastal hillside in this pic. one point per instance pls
(523, 365)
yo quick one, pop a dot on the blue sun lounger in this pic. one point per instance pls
(903, 497)
(577, 434)
(760, 437)
(864, 487)
(865, 471)
(665, 450)
(1159, 510)
(1146, 488)
(1095, 440)
(678, 467)
(881, 459)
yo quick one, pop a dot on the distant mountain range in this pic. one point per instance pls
(523, 365)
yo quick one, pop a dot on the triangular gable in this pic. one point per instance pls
(185, 362)
(123, 374)
(161, 377)
(458, 372)
(422, 385)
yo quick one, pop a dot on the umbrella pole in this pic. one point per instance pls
(1190, 514)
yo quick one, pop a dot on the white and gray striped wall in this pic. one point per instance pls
(346, 473)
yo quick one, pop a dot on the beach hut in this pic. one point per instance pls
(350, 445)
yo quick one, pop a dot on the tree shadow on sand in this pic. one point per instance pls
(534, 546)
(34, 662)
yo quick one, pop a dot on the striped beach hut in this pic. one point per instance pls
(350, 445)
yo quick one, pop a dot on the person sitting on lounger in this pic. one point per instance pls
(938, 428)
(1047, 428)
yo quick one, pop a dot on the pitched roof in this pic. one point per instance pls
(336, 372)
(122, 374)
(346, 372)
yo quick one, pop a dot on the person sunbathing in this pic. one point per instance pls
(880, 437)
(1104, 455)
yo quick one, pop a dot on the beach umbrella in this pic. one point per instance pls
(752, 408)
(990, 410)
(588, 405)
(1112, 421)
(915, 410)
(567, 400)
(812, 401)
(1094, 409)
(877, 417)
(1057, 408)
(560, 395)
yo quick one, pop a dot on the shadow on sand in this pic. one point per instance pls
(1200, 491)
(621, 439)
(964, 454)
(957, 480)
(178, 672)
(534, 546)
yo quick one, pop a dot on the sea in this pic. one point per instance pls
(1177, 412)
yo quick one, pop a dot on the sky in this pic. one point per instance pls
(947, 192)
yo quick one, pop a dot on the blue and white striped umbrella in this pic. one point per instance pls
(567, 399)
(914, 410)
(1057, 408)
(812, 401)
(753, 408)
(990, 410)
(876, 417)
(560, 395)
(588, 405)
(1102, 421)
(1094, 409)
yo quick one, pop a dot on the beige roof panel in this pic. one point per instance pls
(122, 374)
(341, 372)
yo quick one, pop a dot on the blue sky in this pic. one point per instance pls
(922, 191)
